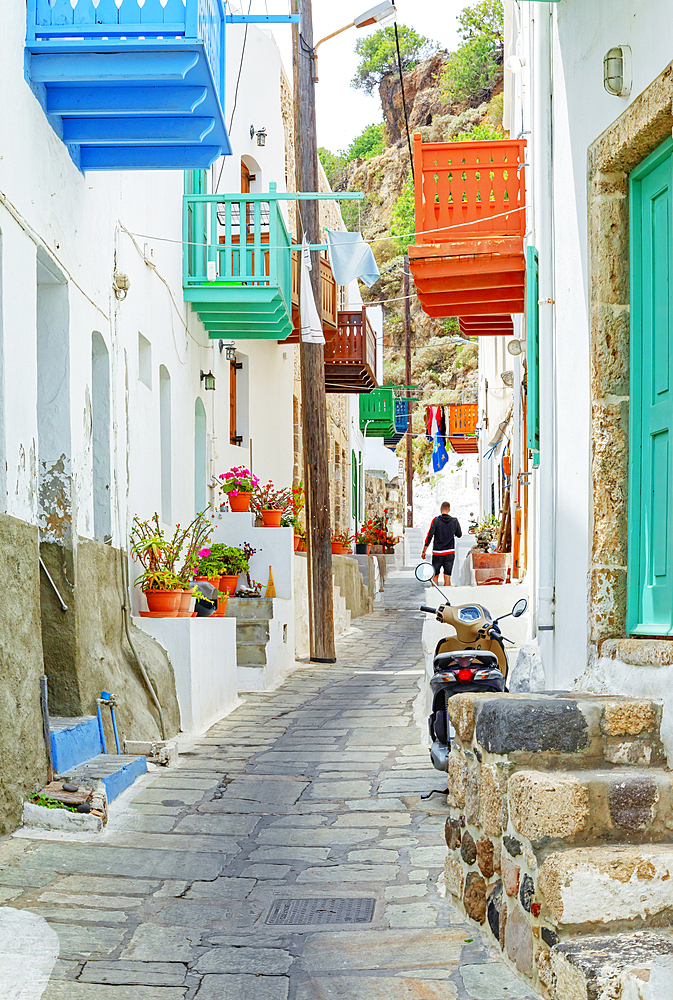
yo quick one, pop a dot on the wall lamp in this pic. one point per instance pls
(230, 351)
(617, 73)
(209, 379)
(384, 14)
(260, 133)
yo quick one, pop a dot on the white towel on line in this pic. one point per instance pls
(351, 258)
(311, 324)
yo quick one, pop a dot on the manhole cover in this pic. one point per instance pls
(321, 911)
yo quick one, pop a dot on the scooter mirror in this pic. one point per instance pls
(424, 572)
(519, 608)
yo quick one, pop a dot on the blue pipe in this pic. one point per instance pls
(100, 728)
(114, 726)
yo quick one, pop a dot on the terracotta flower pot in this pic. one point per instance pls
(229, 584)
(221, 607)
(185, 604)
(164, 602)
(271, 518)
(297, 543)
(240, 502)
(337, 549)
(302, 545)
(215, 580)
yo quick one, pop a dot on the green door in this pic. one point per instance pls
(650, 558)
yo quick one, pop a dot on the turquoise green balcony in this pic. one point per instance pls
(237, 267)
(377, 412)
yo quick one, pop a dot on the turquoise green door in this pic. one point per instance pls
(650, 558)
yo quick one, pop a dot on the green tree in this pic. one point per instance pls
(378, 55)
(473, 70)
(403, 217)
(369, 143)
(334, 165)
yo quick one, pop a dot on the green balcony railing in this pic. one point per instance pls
(237, 267)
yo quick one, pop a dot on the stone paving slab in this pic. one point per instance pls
(309, 791)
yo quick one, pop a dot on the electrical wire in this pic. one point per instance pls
(238, 80)
(404, 99)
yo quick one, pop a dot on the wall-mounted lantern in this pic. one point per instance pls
(260, 133)
(209, 379)
(230, 350)
(617, 73)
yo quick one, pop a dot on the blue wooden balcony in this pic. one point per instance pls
(131, 87)
(237, 267)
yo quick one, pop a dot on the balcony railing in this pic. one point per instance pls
(463, 419)
(131, 85)
(350, 358)
(470, 219)
(238, 274)
(377, 412)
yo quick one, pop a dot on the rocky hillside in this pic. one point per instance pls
(446, 372)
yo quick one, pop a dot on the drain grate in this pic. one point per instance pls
(321, 911)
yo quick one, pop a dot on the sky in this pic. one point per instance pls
(342, 112)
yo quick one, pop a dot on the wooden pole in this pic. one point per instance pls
(407, 379)
(314, 402)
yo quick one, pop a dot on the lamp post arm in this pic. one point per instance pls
(326, 39)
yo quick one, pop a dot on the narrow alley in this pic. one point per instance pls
(288, 856)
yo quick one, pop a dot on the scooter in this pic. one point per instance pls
(474, 659)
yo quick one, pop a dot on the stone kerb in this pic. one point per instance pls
(534, 781)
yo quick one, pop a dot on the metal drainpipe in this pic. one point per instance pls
(543, 201)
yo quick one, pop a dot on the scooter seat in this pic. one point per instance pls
(447, 661)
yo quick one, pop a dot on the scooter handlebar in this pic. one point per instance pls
(429, 611)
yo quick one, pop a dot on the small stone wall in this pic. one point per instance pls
(538, 785)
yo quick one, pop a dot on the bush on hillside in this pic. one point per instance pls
(476, 66)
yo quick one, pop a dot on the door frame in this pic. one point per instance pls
(634, 564)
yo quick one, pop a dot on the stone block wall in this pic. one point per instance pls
(560, 822)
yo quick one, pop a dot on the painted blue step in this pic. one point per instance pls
(135, 86)
(73, 741)
(117, 772)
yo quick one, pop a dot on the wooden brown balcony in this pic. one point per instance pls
(350, 358)
(329, 300)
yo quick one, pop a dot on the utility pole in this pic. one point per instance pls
(314, 402)
(407, 379)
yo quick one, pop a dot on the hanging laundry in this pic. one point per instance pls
(351, 258)
(442, 422)
(311, 324)
(439, 455)
(429, 417)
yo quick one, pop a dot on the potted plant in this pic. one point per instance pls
(157, 555)
(239, 484)
(194, 539)
(340, 542)
(299, 535)
(272, 504)
(209, 566)
(232, 563)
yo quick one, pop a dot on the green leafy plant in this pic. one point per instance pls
(156, 554)
(48, 803)
(269, 498)
(474, 68)
(238, 480)
(369, 143)
(403, 217)
(378, 55)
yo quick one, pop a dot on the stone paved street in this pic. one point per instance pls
(308, 792)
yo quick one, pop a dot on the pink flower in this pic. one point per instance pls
(204, 553)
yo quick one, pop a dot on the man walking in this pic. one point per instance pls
(443, 532)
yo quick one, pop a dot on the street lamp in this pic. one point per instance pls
(384, 14)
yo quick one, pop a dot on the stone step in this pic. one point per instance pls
(249, 609)
(620, 805)
(615, 966)
(252, 631)
(251, 654)
(559, 731)
(583, 888)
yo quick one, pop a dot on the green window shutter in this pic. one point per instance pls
(361, 489)
(533, 353)
(650, 531)
(354, 486)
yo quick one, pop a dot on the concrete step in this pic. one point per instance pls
(613, 967)
(257, 631)
(251, 654)
(620, 805)
(559, 731)
(114, 772)
(73, 740)
(613, 885)
(249, 609)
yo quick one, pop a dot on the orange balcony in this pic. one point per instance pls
(468, 259)
(463, 419)
(350, 358)
(329, 304)
(494, 325)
